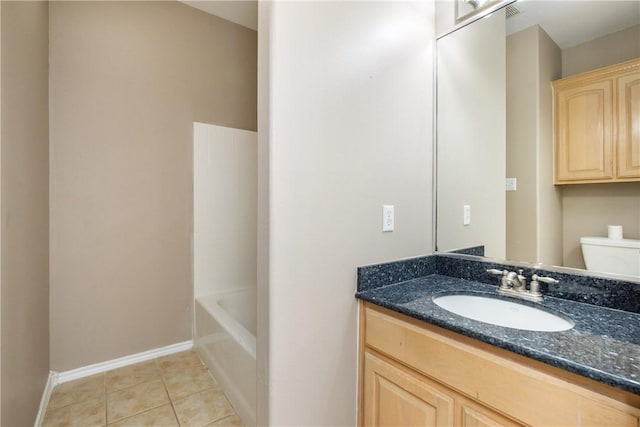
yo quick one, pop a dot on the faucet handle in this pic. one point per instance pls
(504, 282)
(497, 272)
(535, 286)
(549, 280)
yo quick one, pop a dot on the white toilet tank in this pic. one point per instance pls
(604, 255)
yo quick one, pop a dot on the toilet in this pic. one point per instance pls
(618, 256)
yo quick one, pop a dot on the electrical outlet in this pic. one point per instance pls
(388, 221)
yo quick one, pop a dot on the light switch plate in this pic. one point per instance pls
(388, 220)
(466, 215)
(510, 184)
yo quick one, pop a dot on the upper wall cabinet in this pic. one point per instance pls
(628, 90)
(597, 125)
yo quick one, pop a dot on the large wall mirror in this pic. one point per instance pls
(495, 121)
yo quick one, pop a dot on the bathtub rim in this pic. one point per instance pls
(244, 337)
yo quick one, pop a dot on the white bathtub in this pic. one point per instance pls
(225, 339)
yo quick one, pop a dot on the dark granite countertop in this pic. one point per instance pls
(604, 344)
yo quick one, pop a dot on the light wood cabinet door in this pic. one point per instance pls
(597, 125)
(474, 415)
(629, 125)
(396, 396)
(584, 132)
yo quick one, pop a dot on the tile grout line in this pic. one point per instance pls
(135, 415)
(161, 374)
(148, 381)
(166, 389)
(224, 418)
(214, 387)
(224, 395)
(162, 380)
(104, 390)
(49, 409)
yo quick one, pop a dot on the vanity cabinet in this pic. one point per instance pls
(397, 396)
(416, 374)
(597, 125)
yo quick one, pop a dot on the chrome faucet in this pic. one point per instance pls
(515, 284)
(516, 281)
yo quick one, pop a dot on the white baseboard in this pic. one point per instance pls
(74, 374)
(46, 394)
(56, 378)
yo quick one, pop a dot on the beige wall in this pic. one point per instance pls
(589, 208)
(522, 143)
(349, 105)
(549, 196)
(601, 52)
(534, 211)
(127, 81)
(25, 212)
(1, 215)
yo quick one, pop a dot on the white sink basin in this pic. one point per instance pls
(503, 313)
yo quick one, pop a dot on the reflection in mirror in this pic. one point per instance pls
(466, 9)
(471, 137)
(495, 121)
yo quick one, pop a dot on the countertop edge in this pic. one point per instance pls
(557, 362)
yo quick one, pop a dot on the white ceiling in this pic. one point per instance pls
(242, 12)
(571, 22)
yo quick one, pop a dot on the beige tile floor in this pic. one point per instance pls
(175, 390)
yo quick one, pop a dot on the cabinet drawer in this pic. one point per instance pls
(504, 384)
